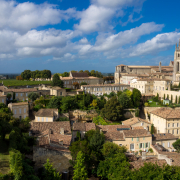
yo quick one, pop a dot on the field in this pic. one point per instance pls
(13, 82)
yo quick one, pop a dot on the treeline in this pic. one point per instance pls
(27, 74)
(108, 78)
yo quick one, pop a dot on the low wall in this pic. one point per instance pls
(129, 113)
(166, 92)
(168, 160)
(60, 159)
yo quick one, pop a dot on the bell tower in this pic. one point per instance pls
(176, 70)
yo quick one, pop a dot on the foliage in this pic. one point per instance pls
(57, 81)
(33, 96)
(125, 100)
(62, 119)
(37, 107)
(42, 101)
(176, 99)
(100, 121)
(108, 78)
(83, 83)
(94, 103)
(16, 164)
(146, 104)
(176, 145)
(55, 102)
(9, 96)
(136, 97)
(76, 85)
(27, 74)
(80, 171)
(150, 150)
(50, 172)
(152, 128)
(137, 113)
(112, 110)
(19, 77)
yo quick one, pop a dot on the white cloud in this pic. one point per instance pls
(25, 16)
(83, 41)
(159, 43)
(95, 18)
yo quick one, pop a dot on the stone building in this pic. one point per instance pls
(53, 141)
(54, 91)
(79, 78)
(100, 89)
(148, 85)
(20, 110)
(166, 120)
(176, 73)
(3, 99)
(46, 115)
(124, 70)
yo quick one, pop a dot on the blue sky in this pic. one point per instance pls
(64, 35)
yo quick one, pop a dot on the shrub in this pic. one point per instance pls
(63, 119)
(150, 150)
(146, 104)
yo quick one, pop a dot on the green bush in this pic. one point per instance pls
(63, 119)
(37, 107)
(150, 150)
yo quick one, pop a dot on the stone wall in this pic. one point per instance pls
(148, 110)
(83, 115)
(129, 113)
(60, 159)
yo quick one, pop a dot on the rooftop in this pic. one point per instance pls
(84, 126)
(46, 112)
(19, 103)
(134, 121)
(163, 136)
(21, 90)
(136, 133)
(113, 128)
(167, 113)
(105, 85)
(79, 74)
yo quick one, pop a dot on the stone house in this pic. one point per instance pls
(100, 89)
(166, 120)
(3, 99)
(53, 141)
(82, 128)
(79, 78)
(54, 91)
(46, 115)
(164, 139)
(20, 110)
(20, 94)
(137, 122)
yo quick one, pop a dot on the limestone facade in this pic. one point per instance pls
(3, 99)
(104, 88)
(176, 73)
(20, 110)
(54, 91)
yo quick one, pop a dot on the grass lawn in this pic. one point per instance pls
(13, 82)
(4, 157)
(153, 104)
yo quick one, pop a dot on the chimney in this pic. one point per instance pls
(62, 131)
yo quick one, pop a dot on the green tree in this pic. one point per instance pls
(83, 83)
(57, 81)
(16, 164)
(152, 128)
(80, 172)
(65, 74)
(76, 85)
(176, 99)
(86, 71)
(33, 96)
(125, 100)
(55, 102)
(94, 103)
(9, 96)
(176, 145)
(164, 96)
(26, 74)
(136, 97)
(171, 98)
(50, 172)
(112, 110)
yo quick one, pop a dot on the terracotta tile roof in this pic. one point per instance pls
(114, 128)
(79, 74)
(43, 141)
(163, 136)
(56, 88)
(136, 133)
(105, 85)
(37, 128)
(174, 156)
(46, 112)
(134, 120)
(167, 113)
(114, 136)
(138, 127)
(21, 90)
(83, 126)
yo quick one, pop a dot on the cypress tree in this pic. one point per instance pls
(164, 96)
(172, 98)
(176, 99)
(179, 100)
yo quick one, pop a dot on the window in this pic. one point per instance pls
(24, 110)
(177, 124)
(94, 89)
(21, 94)
(142, 124)
(38, 119)
(137, 139)
(120, 144)
(140, 145)
(131, 146)
(16, 94)
(46, 119)
(14, 111)
(168, 124)
(163, 144)
(146, 145)
(172, 124)
(26, 94)
(168, 144)
(2, 100)
(60, 93)
(132, 139)
(19, 111)
(177, 131)
(42, 119)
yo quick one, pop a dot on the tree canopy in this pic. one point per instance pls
(57, 81)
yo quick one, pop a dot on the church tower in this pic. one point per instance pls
(176, 70)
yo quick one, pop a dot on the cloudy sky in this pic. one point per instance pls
(64, 35)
